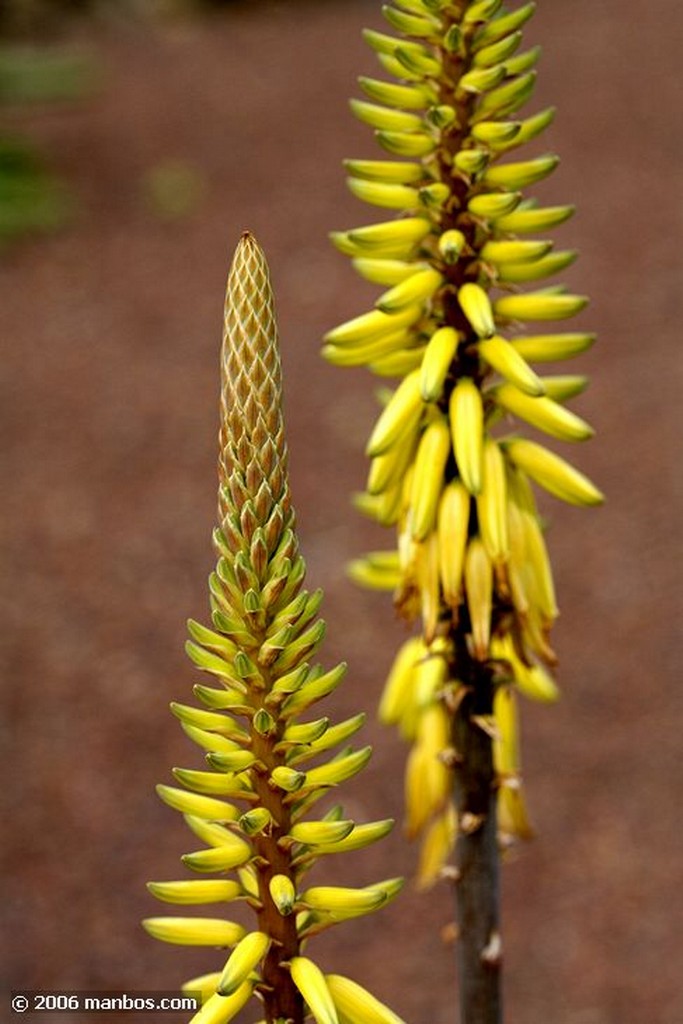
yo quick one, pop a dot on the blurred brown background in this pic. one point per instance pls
(200, 125)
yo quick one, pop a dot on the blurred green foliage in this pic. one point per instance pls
(32, 199)
(39, 76)
(174, 189)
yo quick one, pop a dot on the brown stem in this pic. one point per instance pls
(477, 859)
(281, 998)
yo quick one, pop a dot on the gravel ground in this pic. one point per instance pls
(110, 333)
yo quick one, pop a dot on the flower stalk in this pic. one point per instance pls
(451, 469)
(267, 764)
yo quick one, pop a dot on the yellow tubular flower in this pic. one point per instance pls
(250, 808)
(461, 262)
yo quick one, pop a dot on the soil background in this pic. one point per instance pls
(110, 333)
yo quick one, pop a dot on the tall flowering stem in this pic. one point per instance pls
(250, 809)
(450, 468)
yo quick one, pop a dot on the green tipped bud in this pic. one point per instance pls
(317, 833)
(287, 779)
(451, 244)
(259, 819)
(282, 893)
(263, 722)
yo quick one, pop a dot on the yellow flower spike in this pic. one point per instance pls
(264, 627)
(471, 562)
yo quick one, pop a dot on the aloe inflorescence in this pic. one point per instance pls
(450, 467)
(267, 767)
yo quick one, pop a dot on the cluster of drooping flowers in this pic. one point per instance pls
(267, 767)
(448, 466)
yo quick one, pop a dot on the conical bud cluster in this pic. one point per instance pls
(266, 765)
(455, 258)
